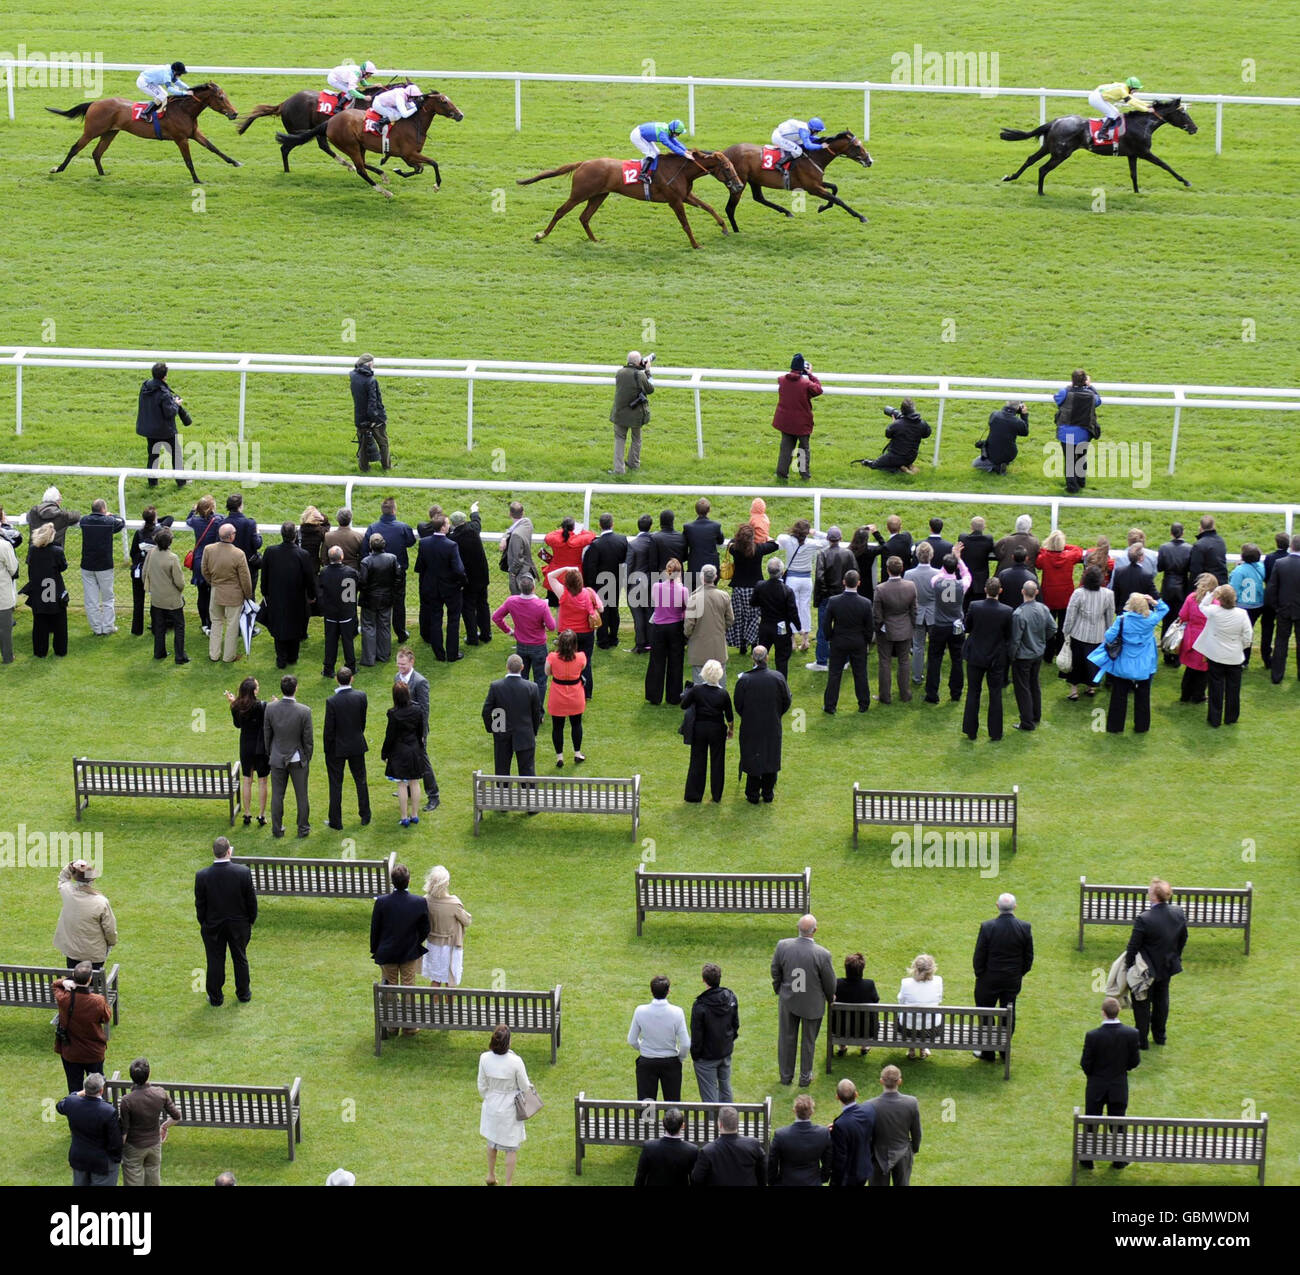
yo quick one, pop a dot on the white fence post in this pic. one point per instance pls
(347, 499)
(1173, 442)
(699, 420)
(690, 105)
(469, 420)
(1042, 106)
(243, 393)
(866, 115)
(519, 106)
(121, 509)
(1056, 514)
(1218, 128)
(586, 507)
(9, 86)
(18, 389)
(938, 425)
(817, 511)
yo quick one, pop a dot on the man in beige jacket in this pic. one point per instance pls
(708, 616)
(165, 584)
(225, 568)
(87, 928)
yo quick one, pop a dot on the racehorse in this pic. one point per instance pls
(299, 114)
(805, 173)
(405, 139)
(596, 179)
(1062, 137)
(112, 115)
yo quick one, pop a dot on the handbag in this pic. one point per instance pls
(1116, 645)
(727, 570)
(62, 1033)
(198, 544)
(594, 619)
(1065, 657)
(528, 1103)
(1173, 638)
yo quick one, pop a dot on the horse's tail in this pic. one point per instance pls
(256, 114)
(297, 139)
(73, 112)
(550, 172)
(1020, 135)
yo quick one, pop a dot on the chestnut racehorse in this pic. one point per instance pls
(806, 173)
(112, 115)
(595, 179)
(346, 130)
(298, 113)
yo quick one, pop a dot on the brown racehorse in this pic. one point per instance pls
(806, 173)
(346, 130)
(112, 115)
(595, 179)
(298, 114)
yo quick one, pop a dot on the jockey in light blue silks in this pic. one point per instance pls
(794, 137)
(647, 138)
(162, 82)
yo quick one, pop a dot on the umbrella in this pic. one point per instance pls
(247, 623)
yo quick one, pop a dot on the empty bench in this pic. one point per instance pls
(1206, 907)
(320, 878)
(550, 794)
(269, 1108)
(465, 1009)
(979, 810)
(983, 1028)
(721, 892)
(1155, 1140)
(32, 986)
(629, 1122)
(214, 781)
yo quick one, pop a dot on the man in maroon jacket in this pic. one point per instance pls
(794, 418)
(82, 1014)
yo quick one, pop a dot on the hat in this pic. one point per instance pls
(341, 1177)
(796, 363)
(633, 357)
(90, 871)
(834, 534)
(365, 359)
(51, 493)
(458, 519)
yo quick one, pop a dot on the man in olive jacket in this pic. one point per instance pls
(165, 583)
(631, 410)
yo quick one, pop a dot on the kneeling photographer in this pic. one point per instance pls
(999, 449)
(369, 416)
(904, 439)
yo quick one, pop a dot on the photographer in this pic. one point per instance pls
(794, 418)
(155, 420)
(904, 435)
(1076, 426)
(631, 409)
(999, 448)
(368, 414)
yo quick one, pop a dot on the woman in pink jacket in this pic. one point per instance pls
(1196, 669)
(796, 391)
(565, 696)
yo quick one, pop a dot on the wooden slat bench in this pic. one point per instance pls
(215, 781)
(968, 1027)
(721, 892)
(1158, 1140)
(628, 1122)
(978, 810)
(551, 794)
(466, 1009)
(31, 986)
(320, 878)
(271, 1108)
(1206, 907)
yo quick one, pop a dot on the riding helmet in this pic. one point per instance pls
(178, 68)
(677, 127)
(1133, 82)
(367, 68)
(815, 125)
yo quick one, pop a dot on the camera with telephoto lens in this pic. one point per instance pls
(892, 412)
(12, 534)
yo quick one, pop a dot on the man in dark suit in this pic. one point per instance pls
(418, 685)
(442, 584)
(1171, 561)
(803, 979)
(668, 542)
(288, 586)
(942, 547)
(897, 1136)
(899, 545)
(337, 591)
(977, 548)
(601, 566)
(1110, 1052)
(467, 535)
(95, 1154)
(288, 735)
(1209, 553)
(398, 538)
(730, 1160)
(1004, 954)
(894, 615)
(642, 554)
(667, 1161)
(762, 698)
(399, 924)
(848, 625)
(226, 905)
(1014, 578)
(703, 536)
(512, 713)
(777, 609)
(345, 744)
(1160, 934)
(1132, 576)
(1282, 593)
(987, 652)
(851, 1136)
(800, 1154)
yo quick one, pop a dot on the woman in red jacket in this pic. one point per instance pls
(796, 391)
(565, 696)
(1056, 563)
(580, 610)
(564, 549)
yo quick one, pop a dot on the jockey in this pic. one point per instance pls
(1114, 100)
(399, 103)
(794, 137)
(346, 80)
(162, 82)
(647, 139)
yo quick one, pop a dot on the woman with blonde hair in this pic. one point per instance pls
(669, 598)
(312, 527)
(800, 547)
(1225, 642)
(1056, 562)
(1196, 668)
(1134, 663)
(45, 592)
(707, 725)
(444, 955)
(922, 986)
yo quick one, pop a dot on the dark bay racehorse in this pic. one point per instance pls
(179, 123)
(594, 180)
(806, 173)
(1062, 137)
(299, 114)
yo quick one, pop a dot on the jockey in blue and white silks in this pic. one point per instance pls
(647, 138)
(162, 82)
(794, 137)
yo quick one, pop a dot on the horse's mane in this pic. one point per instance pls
(1167, 101)
(207, 84)
(841, 136)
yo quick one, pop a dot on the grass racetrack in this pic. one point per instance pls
(954, 274)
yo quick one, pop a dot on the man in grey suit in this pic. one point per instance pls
(804, 979)
(898, 1132)
(512, 712)
(289, 743)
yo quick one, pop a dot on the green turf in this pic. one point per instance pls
(1155, 288)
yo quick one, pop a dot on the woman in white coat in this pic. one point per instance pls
(501, 1075)
(922, 986)
(1225, 641)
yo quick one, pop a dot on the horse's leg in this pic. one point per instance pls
(83, 141)
(696, 202)
(357, 155)
(203, 141)
(833, 199)
(183, 145)
(733, 199)
(686, 225)
(1055, 162)
(593, 206)
(104, 143)
(1159, 163)
(1041, 153)
(1133, 172)
(757, 191)
(562, 211)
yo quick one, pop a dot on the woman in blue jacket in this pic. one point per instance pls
(1135, 665)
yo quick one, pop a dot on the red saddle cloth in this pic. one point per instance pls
(1094, 127)
(631, 172)
(772, 156)
(373, 121)
(327, 103)
(138, 109)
